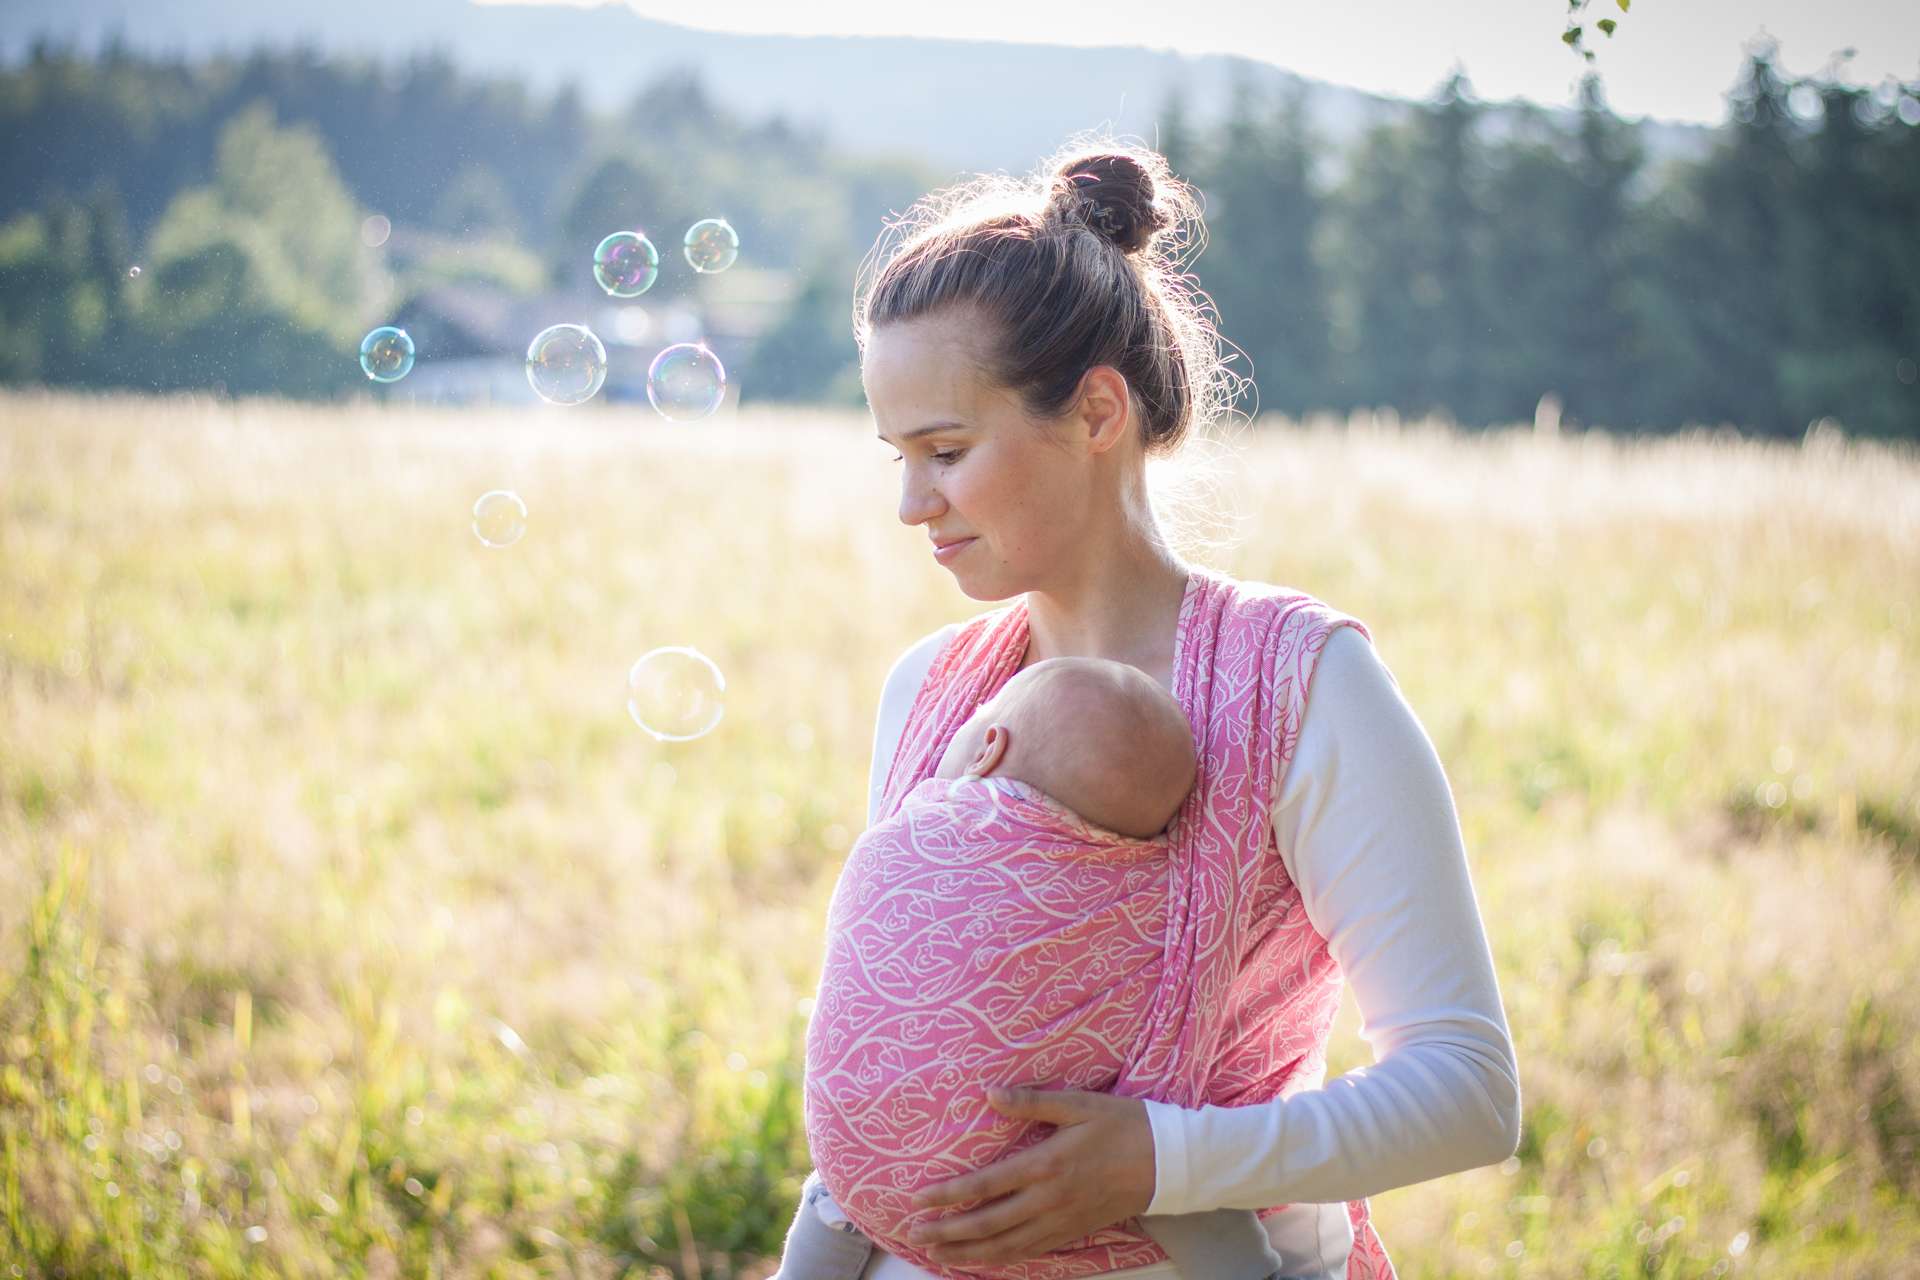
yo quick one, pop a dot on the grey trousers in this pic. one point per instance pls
(1223, 1244)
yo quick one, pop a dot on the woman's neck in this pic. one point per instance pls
(1124, 608)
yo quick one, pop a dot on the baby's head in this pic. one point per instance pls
(1103, 738)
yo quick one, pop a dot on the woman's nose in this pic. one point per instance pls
(918, 501)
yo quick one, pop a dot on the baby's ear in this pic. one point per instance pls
(991, 753)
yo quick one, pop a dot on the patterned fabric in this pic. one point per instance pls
(981, 933)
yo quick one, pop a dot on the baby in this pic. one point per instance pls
(1102, 738)
(1104, 753)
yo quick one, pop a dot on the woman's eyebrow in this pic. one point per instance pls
(917, 432)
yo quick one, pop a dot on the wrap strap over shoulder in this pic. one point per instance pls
(1248, 989)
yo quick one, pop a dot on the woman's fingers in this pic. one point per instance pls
(997, 1179)
(1009, 1246)
(989, 1221)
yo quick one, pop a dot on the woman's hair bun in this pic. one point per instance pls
(1113, 193)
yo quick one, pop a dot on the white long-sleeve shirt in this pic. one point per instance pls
(1365, 824)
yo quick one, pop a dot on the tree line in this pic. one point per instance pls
(1459, 259)
(1770, 282)
(170, 224)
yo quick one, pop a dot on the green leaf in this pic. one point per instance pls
(1623, 5)
(1607, 25)
(1570, 37)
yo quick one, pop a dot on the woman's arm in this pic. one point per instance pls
(1366, 824)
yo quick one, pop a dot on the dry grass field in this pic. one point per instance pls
(349, 926)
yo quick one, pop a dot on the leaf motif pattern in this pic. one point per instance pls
(982, 933)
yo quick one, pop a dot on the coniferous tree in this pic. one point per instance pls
(1176, 139)
(1607, 363)
(1848, 320)
(1723, 322)
(1563, 267)
(1265, 280)
(1535, 279)
(1412, 242)
(1454, 243)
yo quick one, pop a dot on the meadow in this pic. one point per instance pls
(349, 926)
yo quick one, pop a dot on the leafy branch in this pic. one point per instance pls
(1574, 37)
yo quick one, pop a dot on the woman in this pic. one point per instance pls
(1026, 349)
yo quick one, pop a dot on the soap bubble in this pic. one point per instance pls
(386, 354)
(674, 693)
(133, 272)
(711, 245)
(626, 264)
(566, 364)
(686, 381)
(499, 518)
(375, 230)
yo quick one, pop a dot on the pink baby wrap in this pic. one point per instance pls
(1000, 939)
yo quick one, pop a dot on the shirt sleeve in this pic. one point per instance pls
(902, 685)
(1366, 826)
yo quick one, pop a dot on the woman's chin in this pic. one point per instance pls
(987, 597)
(987, 589)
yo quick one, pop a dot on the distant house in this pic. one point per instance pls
(470, 340)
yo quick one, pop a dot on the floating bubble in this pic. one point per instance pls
(133, 272)
(499, 518)
(375, 230)
(386, 354)
(566, 364)
(626, 264)
(686, 381)
(675, 693)
(711, 245)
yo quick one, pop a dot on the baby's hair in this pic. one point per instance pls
(1073, 714)
(1081, 264)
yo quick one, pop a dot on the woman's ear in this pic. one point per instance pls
(991, 752)
(1104, 406)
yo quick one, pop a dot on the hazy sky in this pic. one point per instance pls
(1672, 59)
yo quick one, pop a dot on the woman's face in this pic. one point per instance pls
(974, 464)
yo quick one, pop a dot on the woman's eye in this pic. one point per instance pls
(946, 457)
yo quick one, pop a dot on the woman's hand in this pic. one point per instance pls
(1094, 1170)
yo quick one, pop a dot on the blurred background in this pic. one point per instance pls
(286, 177)
(358, 919)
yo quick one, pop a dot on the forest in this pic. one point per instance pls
(170, 225)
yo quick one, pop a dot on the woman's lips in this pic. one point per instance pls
(952, 549)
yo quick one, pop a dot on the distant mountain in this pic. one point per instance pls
(969, 104)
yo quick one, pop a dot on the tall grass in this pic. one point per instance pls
(349, 926)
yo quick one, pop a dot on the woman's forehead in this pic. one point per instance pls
(918, 359)
(926, 370)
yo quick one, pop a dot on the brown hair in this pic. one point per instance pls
(1080, 265)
